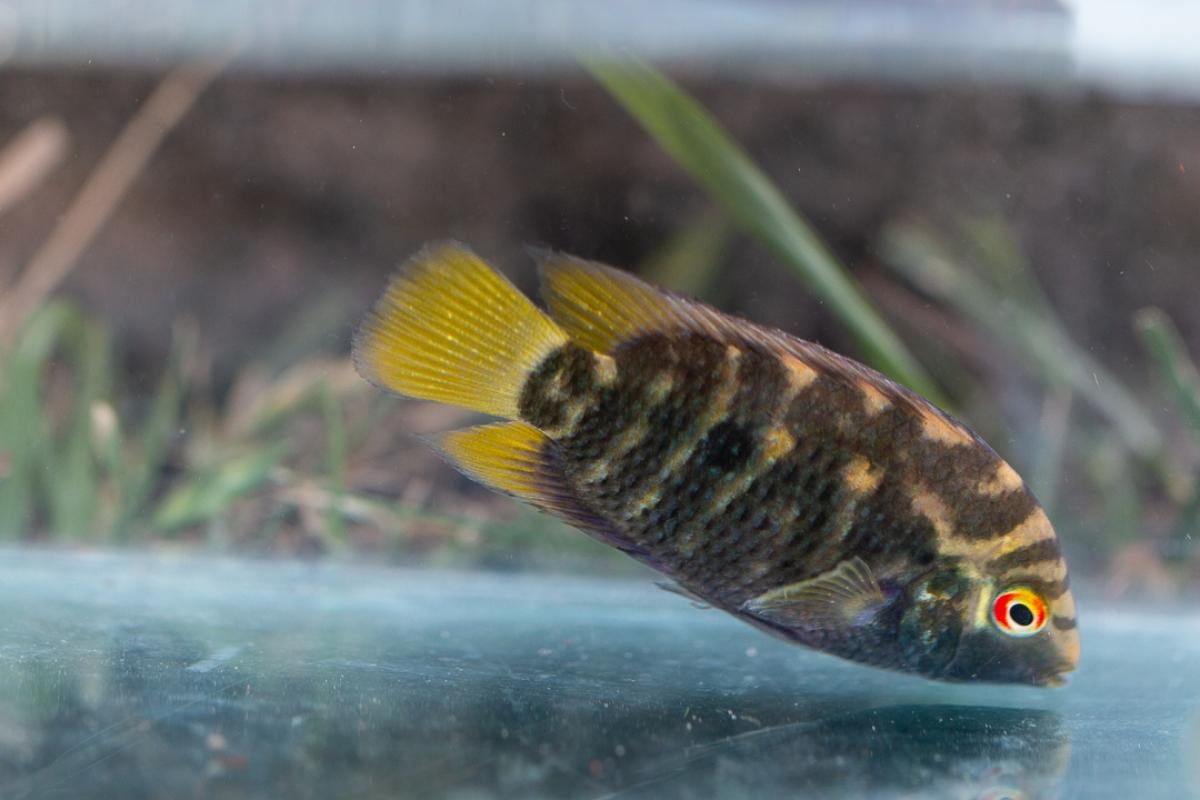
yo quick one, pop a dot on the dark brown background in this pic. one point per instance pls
(275, 194)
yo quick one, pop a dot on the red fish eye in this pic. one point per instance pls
(1019, 612)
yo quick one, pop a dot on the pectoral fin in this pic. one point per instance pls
(846, 596)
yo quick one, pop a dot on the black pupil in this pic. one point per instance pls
(1021, 614)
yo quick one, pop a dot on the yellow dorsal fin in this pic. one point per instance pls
(600, 307)
(519, 460)
(450, 328)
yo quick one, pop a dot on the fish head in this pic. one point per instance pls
(959, 623)
(1019, 633)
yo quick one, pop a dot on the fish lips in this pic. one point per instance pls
(983, 657)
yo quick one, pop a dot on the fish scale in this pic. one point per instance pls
(790, 486)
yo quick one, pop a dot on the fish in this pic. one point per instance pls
(765, 476)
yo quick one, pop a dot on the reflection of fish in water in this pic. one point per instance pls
(794, 488)
(909, 751)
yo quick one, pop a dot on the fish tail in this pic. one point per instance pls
(451, 329)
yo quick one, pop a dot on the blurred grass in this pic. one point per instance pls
(286, 463)
(1167, 353)
(1181, 379)
(1002, 298)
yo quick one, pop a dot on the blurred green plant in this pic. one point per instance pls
(694, 138)
(690, 260)
(73, 468)
(1179, 375)
(1167, 353)
(1002, 297)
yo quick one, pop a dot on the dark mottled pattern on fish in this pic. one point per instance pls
(568, 374)
(675, 449)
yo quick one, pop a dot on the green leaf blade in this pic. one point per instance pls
(694, 138)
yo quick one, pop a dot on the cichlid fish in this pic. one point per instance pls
(771, 478)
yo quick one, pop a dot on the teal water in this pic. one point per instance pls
(153, 677)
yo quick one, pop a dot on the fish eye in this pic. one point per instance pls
(1019, 612)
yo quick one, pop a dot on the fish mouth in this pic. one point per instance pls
(968, 666)
(1056, 680)
(1059, 677)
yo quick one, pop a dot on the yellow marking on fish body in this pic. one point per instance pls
(873, 399)
(688, 543)
(758, 568)
(929, 505)
(842, 524)
(777, 443)
(660, 387)
(1066, 641)
(595, 473)
(787, 531)
(1063, 606)
(1003, 481)
(861, 476)
(799, 374)
(649, 499)
(624, 443)
(606, 370)
(556, 388)
(983, 605)
(732, 490)
(572, 411)
(717, 410)
(1035, 528)
(941, 430)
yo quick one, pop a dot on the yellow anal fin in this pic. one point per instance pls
(450, 328)
(845, 596)
(519, 460)
(508, 457)
(600, 306)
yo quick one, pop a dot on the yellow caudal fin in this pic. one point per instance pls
(451, 329)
